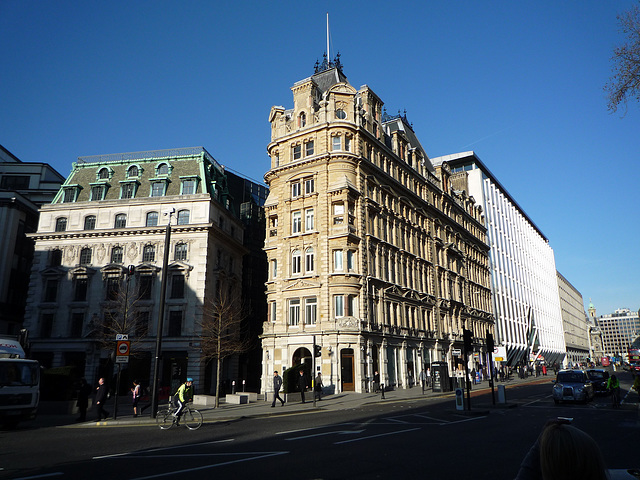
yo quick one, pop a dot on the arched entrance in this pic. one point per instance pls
(300, 355)
(346, 370)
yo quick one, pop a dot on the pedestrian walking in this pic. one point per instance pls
(135, 392)
(376, 382)
(83, 400)
(101, 398)
(428, 376)
(317, 387)
(302, 384)
(277, 385)
(423, 380)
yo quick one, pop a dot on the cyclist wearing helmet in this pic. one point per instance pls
(182, 396)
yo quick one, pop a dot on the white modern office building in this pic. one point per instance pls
(523, 273)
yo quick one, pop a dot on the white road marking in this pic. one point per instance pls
(287, 432)
(375, 436)
(205, 467)
(124, 454)
(339, 432)
(465, 420)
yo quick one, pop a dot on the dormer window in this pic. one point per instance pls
(163, 169)
(98, 192)
(189, 185)
(302, 119)
(158, 188)
(70, 194)
(103, 174)
(133, 171)
(341, 114)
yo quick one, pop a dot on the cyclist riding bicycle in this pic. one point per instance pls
(182, 396)
(613, 385)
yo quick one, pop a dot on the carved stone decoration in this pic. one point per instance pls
(71, 253)
(101, 252)
(132, 251)
(348, 323)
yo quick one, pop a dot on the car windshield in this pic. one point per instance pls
(570, 377)
(595, 375)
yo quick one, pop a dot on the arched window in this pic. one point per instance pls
(116, 255)
(103, 174)
(183, 217)
(121, 221)
(163, 169)
(85, 256)
(309, 260)
(149, 253)
(302, 119)
(152, 219)
(295, 262)
(90, 222)
(132, 171)
(341, 114)
(181, 251)
(61, 224)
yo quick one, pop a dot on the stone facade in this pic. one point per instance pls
(371, 252)
(112, 212)
(574, 319)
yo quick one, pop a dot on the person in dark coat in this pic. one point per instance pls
(101, 398)
(277, 385)
(83, 399)
(317, 387)
(302, 384)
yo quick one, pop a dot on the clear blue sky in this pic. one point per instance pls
(520, 83)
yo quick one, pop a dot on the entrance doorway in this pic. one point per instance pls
(346, 370)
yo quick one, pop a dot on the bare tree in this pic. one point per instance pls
(625, 81)
(223, 331)
(121, 316)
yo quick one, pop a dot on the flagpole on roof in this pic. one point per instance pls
(328, 56)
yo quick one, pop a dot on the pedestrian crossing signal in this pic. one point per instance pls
(317, 351)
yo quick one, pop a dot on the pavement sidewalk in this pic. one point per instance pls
(229, 412)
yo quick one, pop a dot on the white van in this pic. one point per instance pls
(19, 384)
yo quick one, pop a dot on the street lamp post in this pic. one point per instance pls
(163, 292)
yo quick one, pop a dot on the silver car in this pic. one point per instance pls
(572, 386)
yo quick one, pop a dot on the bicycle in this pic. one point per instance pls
(190, 417)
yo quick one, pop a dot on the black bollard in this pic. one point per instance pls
(382, 390)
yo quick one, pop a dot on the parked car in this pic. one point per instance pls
(572, 386)
(598, 378)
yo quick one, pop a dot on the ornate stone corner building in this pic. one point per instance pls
(112, 212)
(370, 250)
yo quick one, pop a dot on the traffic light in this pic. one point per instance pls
(317, 351)
(468, 340)
(490, 344)
(131, 269)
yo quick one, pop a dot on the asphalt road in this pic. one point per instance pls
(417, 438)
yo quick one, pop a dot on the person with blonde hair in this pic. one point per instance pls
(563, 452)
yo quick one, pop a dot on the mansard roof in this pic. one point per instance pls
(191, 162)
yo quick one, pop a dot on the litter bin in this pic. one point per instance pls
(440, 377)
